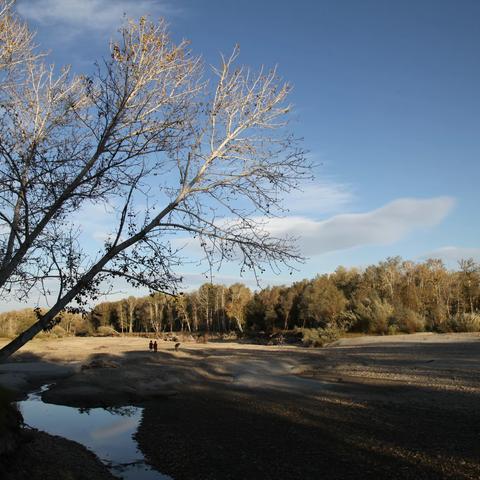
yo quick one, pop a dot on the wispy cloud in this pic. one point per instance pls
(320, 198)
(113, 431)
(383, 226)
(100, 15)
(452, 255)
(96, 222)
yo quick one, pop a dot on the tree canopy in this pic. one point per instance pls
(172, 147)
(394, 296)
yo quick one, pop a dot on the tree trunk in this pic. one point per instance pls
(131, 309)
(20, 341)
(121, 319)
(187, 321)
(239, 325)
(46, 319)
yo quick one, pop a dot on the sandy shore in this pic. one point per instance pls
(367, 407)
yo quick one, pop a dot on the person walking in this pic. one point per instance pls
(150, 346)
(155, 346)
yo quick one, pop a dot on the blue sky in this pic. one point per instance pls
(386, 96)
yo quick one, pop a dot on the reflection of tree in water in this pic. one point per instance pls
(128, 411)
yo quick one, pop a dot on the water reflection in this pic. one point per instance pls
(107, 432)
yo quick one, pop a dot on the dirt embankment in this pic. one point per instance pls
(403, 407)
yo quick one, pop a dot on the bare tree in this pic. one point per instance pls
(144, 129)
(66, 141)
(238, 297)
(131, 305)
(16, 41)
(181, 307)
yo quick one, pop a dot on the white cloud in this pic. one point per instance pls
(382, 226)
(323, 197)
(90, 14)
(112, 431)
(451, 255)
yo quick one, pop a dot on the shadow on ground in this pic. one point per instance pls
(211, 434)
(399, 411)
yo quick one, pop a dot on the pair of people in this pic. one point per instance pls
(153, 346)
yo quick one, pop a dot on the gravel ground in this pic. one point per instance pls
(239, 435)
(400, 407)
(396, 408)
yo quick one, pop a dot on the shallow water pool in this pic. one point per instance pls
(106, 432)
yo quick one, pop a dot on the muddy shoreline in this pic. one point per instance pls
(40, 456)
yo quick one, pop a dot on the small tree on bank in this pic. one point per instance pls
(167, 149)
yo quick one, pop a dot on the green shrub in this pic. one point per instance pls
(392, 329)
(374, 316)
(319, 337)
(437, 318)
(464, 322)
(409, 321)
(106, 331)
(56, 332)
(83, 329)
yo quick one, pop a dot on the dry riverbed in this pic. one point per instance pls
(395, 407)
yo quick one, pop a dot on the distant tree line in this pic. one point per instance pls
(391, 297)
(15, 322)
(211, 308)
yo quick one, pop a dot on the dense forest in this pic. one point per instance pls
(391, 297)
